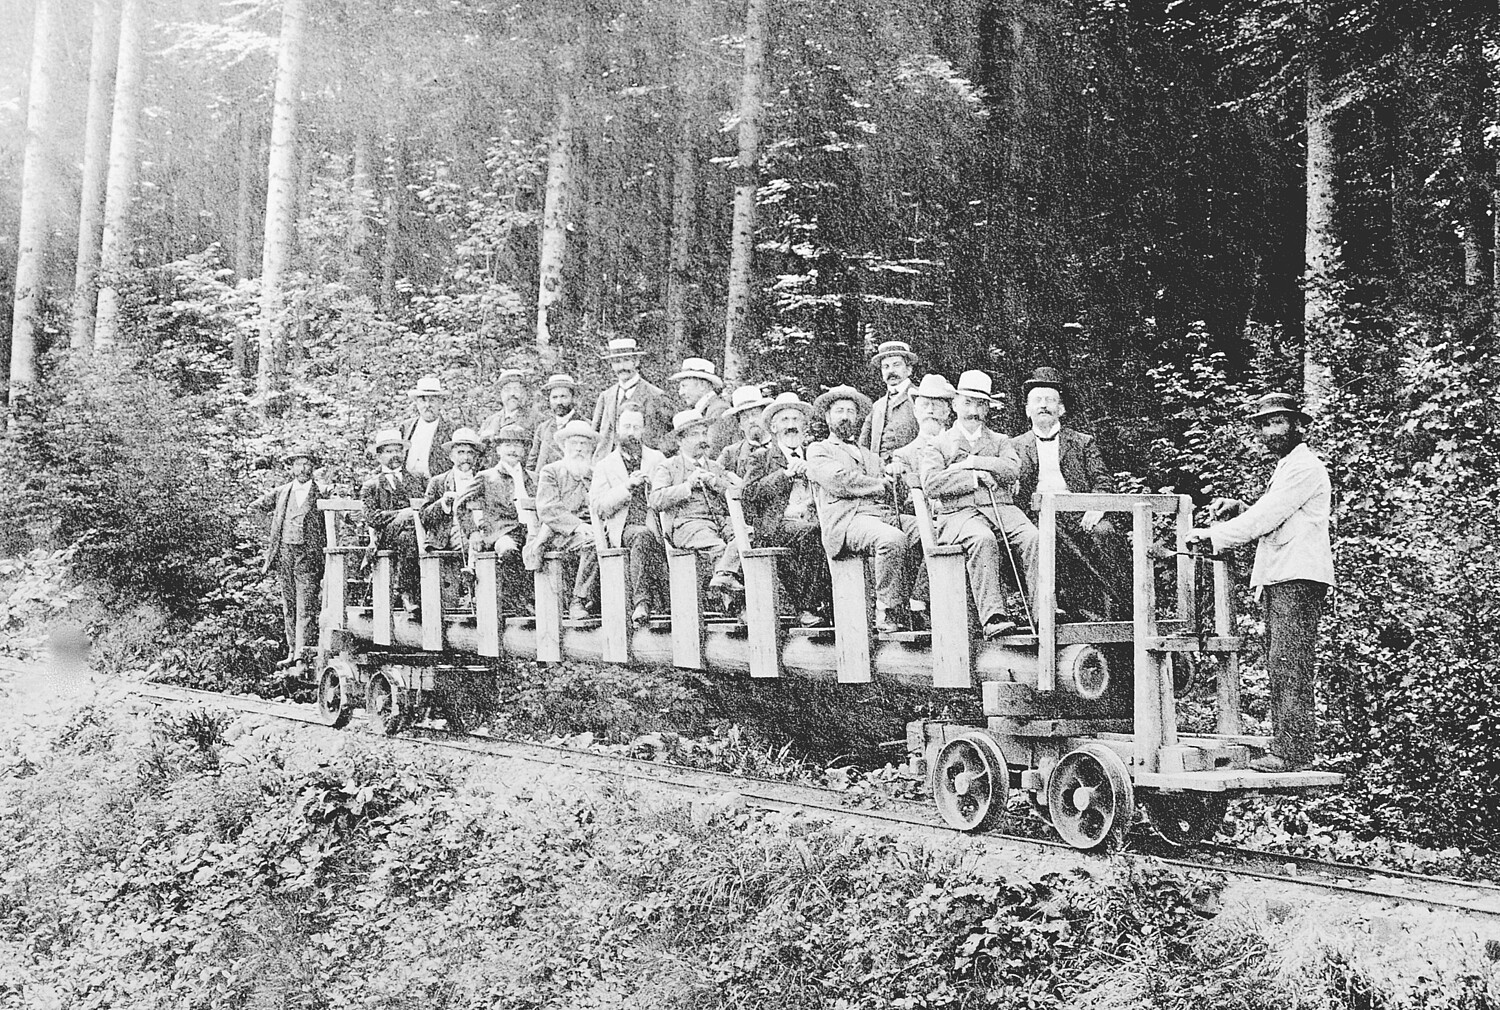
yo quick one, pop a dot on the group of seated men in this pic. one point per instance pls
(643, 475)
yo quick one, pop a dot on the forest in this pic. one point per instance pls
(232, 226)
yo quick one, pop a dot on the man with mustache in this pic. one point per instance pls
(932, 406)
(687, 492)
(560, 389)
(631, 389)
(446, 504)
(562, 506)
(387, 497)
(700, 387)
(498, 525)
(745, 410)
(856, 504)
(780, 509)
(890, 423)
(1055, 457)
(971, 479)
(427, 432)
(295, 553)
(515, 406)
(618, 496)
(1292, 574)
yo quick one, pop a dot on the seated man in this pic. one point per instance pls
(780, 510)
(617, 497)
(687, 493)
(498, 527)
(745, 410)
(932, 407)
(856, 503)
(971, 477)
(388, 511)
(453, 493)
(562, 506)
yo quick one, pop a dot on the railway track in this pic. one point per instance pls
(906, 817)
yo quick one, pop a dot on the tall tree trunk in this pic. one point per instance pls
(114, 248)
(244, 228)
(391, 210)
(555, 213)
(281, 196)
(1321, 254)
(363, 199)
(31, 246)
(1476, 162)
(102, 56)
(746, 182)
(684, 217)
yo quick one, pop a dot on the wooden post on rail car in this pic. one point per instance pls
(430, 572)
(1228, 700)
(547, 585)
(951, 646)
(334, 616)
(1148, 680)
(381, 598)
(763, 631)
(489, 604)
(614, 598)
(1187, 566)
(1046, 593)
(685, 581)
(853, 618)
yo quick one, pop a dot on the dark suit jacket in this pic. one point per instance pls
(721, 430)
(544, 447)
(1078, 458)
(439, 524)
(381, 503)
(437, 458)
(314, 534)
(737, 459)
(500, 494)
(882, 437)
(768, 489)
(652, 401)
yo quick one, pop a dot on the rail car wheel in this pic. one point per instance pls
(383, 705)
(333, 692)
(1090, 798)
(970, 782)
(1185, 818)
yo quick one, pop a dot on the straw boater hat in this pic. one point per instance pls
(786, 401)
(837, 393)
(621, 347)
(575, 429)
(1271, 404)
(427, 385)
(303, 452)
(685, 419)
(698, 368)
(385, 437)
(512, 433)
(976, 385)
(509, 374)
(934, 387)
(746, 398)
(893, 348)
(465, 436)
(560, 380)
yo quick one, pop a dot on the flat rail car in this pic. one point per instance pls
(1081, 716)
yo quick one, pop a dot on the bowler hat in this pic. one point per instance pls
(385, 437)
(512, 433)
(685, 419)
(575, 429)
(934, 387)
(428, 385)
(465, 436)
(976, 385)
(893, 348)
(698, 368)
(621, 347)
(822, 404)
(1278, 403)
(746, 398)
(1047, 377)
(786, 401)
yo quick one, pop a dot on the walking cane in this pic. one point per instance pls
(1015, 568)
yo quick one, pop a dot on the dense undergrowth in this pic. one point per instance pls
(176, 858)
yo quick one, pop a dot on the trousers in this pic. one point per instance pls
(1292, 611)
(712, 536)
(300, 573)
(979, 530)
(804, 571)
(897, 552)
(579, 545)
(645, 567)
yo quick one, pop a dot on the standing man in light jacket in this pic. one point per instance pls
(1293, 571)
(295, 552)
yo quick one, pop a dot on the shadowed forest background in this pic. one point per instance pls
(230, 227)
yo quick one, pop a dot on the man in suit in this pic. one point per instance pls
(630, 389)
(687, 493)
(1293, 571)
(932, 406)
(453, 494)
(562, 506)
(855, 502)
(425, 433)
(295, 553)
(890, 423)
(971, 479)
(1055, 457)
(699, 386)
(516, 406)
(618, 500)
(497, 525)
(387, 497)
(780, 509)
(746, 407)
(560, 391)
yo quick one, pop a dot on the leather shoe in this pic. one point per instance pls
(1271, 762)
(578, 612)
(920, 621)
(997, 626)
(640, 615)
(808, 619)
(725, 582)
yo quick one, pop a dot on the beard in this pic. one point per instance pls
(844, 429)
(562, 409)
(630, 445)
(1283, 444)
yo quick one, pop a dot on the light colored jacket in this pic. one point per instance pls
(955, 486)
(847, 482)
(1291, 522)
(609, 495)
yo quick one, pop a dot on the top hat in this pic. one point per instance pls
(428, 385)
(746, 398)
(976, 385)
(575, 428)
(934, 387)
(465, 436)
(621, 347)
(559, 380)
(685, 419)
(698, 368)
(1047, 377)
(1278, 403)
(786, 401)
(303, 452)
(893, 348)
(822, 404)
(385, 437)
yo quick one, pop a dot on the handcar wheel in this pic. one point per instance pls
(1090, 797)
(333, 694)
(970, 782)
(383, 705)
(1185, 818)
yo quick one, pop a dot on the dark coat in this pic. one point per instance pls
(437, 459)
(382, 503)
(653, 403)
(314, 533)
(768, 489)
(1078, 458)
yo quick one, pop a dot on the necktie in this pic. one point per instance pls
(1047, 438)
